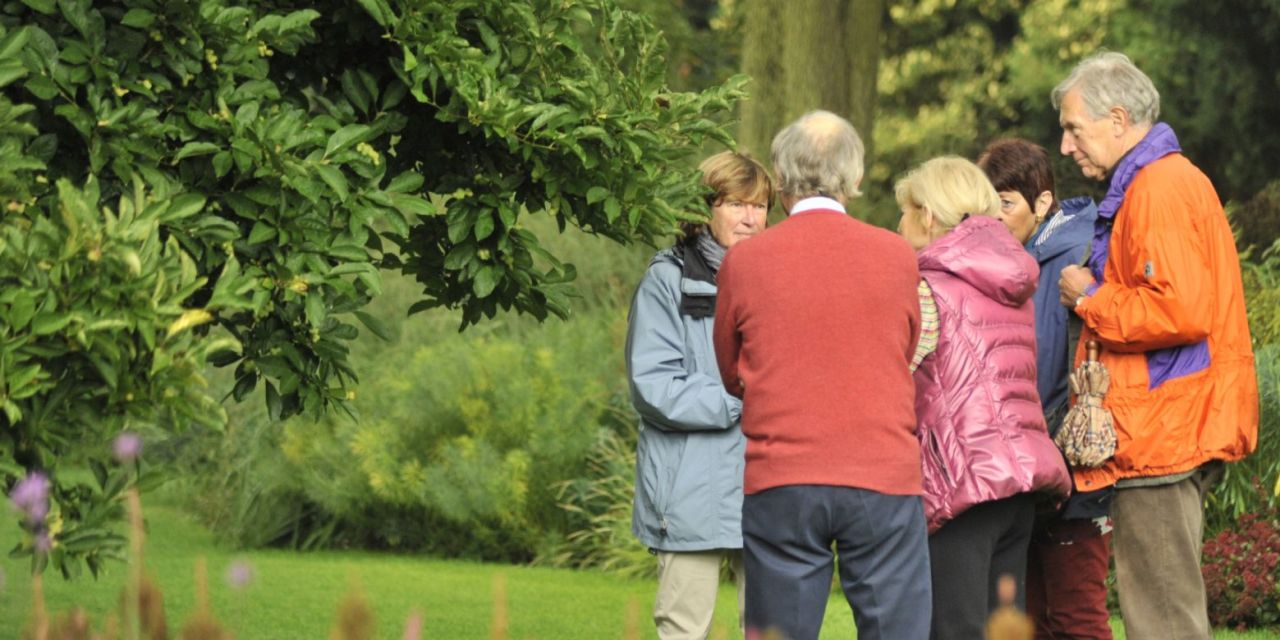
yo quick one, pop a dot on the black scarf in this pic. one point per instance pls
(697, 267)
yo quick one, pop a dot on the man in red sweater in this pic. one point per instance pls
(816, 322)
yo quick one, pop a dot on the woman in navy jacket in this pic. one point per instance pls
(1070, 549)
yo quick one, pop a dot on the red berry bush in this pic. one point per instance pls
(1240, 572)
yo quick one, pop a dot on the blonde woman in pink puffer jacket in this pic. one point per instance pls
(986, 455)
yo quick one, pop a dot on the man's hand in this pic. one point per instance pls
(1072, 284)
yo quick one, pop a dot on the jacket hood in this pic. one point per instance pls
(982, 252)
(1072, 232)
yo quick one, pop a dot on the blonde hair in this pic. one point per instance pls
(950, 188)
(736, 175)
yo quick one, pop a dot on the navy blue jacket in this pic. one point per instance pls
(1062, 240)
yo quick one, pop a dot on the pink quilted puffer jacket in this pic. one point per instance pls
(981, 429)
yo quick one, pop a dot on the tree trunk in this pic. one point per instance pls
(809, 54)
(862, 48)
(761, 46)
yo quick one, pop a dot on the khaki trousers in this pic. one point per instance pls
(1158, 534)
(688, 582)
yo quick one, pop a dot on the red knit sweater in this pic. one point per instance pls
(818, 317)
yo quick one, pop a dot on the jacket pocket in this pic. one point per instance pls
(665, 451)
(933, 449)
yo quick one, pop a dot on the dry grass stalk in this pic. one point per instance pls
(39, 626)
(631, 628)
(355, 619)
(498, 628)
(73, 625)
(202, 625)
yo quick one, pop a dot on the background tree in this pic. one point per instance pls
(222, 181)
(811, 54)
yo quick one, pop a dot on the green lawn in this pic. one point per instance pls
(295, 595)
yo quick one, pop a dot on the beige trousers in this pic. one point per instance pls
(688, 582)
(1158, 534)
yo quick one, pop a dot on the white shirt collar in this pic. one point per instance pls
(816, 202)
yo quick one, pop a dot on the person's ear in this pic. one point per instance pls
(1043, 202)
(1120, 121)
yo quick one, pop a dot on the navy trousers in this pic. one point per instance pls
(882, 546)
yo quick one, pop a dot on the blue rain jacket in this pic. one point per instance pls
(690, 449)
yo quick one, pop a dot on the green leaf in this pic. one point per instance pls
(412, 205)
(484, 226)
(196, 149)
(315, 308)
(11, 70)
(46, 7)
(379, 11)
(138, 18)
(14, 42)
(407, 182)
(596, 194)
(46, 323)
(345, 137)
(612, 209)
(349, 252)
(221, 163)
(183, 206)
(41, 87)
(486, 280)
(333, 177)
(273, 400)
(261, 232)
(459, 256)
(374, 324)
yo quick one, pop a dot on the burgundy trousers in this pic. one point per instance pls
(1067, 567)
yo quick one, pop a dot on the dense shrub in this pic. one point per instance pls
(1241, 566)
(1259, 218)
(459, 446)
(599, 506)
(1236, 495)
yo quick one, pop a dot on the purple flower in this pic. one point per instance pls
(31, 497)
(127, 446)
(239, 574)
(42, 542)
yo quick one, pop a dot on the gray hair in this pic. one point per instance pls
(818, 154)
(1110, 79)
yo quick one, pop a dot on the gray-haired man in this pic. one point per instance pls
(816, 322)
(1162, 293)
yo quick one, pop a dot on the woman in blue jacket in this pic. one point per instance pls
(689, 453)
(1070, 549)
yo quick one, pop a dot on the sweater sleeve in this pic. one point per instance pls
(1170, 301)
(928, 340)
(664, 390)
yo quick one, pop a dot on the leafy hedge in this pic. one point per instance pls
(266, 159)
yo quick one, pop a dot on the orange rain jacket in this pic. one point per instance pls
(1172, 278)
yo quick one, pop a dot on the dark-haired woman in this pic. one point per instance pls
(1070, 549)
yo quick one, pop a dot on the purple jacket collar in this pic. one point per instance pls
(1159, 142)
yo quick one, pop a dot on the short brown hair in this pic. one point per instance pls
(1019, 165)
(735, 175)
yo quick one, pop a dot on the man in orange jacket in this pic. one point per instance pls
(1162, 292)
